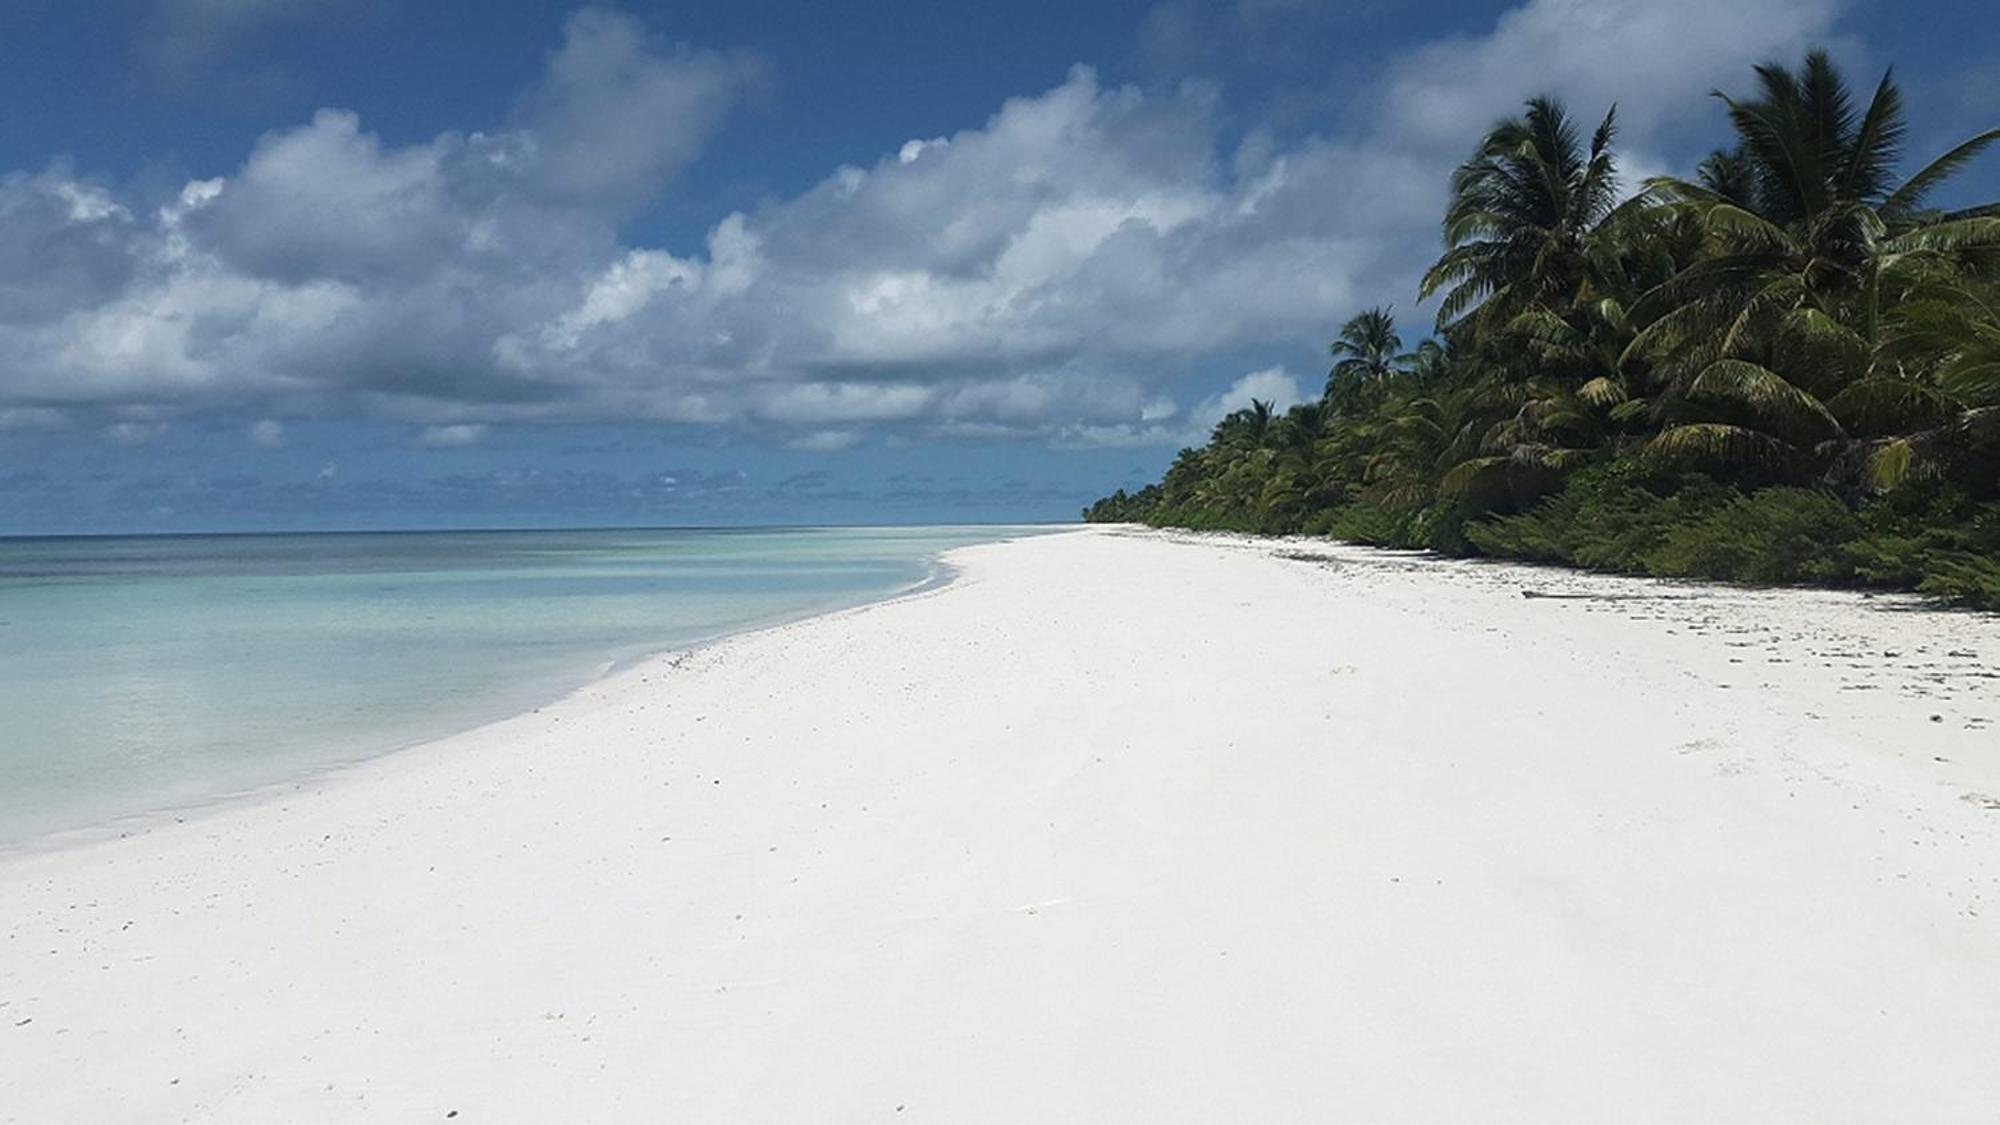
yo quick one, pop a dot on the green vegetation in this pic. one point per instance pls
(1785, 369)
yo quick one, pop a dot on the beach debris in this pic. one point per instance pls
(1559, 596)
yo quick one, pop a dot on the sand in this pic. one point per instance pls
(1116, 827)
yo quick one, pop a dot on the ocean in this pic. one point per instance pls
(144, 675)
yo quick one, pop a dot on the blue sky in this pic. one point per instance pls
(390, 263)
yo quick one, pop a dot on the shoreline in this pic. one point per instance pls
(1114, 824)
(1908, 599)
(219, 795)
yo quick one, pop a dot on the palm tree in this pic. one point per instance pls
(1768, 350)
(1951, 339)
(1540, 265)
(1296, 481)
(1367, 354)
(1523, 213)
(1430, 365)
(1368, 347)
(1413, 443)
(1803, 159)
(1795, 311)
(1247, 428)
(1302, 426)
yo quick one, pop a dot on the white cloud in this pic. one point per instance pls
(267, 433)
(1657, 61)
(134, 433)
(964, 280)
(915, 148)
(64, 243)
(22, 418)
(623, 290)
(618, 111)
(325, 200)
(826, 441)
(1272, 385)
(455, 436)
(1062, 271)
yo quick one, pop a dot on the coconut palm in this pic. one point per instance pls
(1302, 427)
(1368, 347)
(1522, 216)
(1248, 428)
(1944, 350)
(1413, 443)
(1795, 311)
(1430, 365)
(1772, 347)
(1367, 352)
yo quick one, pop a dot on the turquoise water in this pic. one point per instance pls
(140, 675)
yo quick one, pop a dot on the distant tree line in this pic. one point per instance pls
(1785, 368)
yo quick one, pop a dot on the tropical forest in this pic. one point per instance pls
(1782, 369)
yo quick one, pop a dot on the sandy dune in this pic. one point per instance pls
(1117, 827)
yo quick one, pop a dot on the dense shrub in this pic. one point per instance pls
(1773, 535)
(1629, 518)
(1363, 523)
(1609, 518)
(1934, 538)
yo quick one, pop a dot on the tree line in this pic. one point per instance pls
(1785, 368)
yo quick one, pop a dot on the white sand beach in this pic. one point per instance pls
(1118, 826)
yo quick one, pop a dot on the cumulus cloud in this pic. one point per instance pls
(1272, 385)
(1062, 271)
(457, 436)
(18, 419)
(134, 433)
(620, 111)
(64, 243)
(1047, 269)
(1165, 426)
(1658, 61)
(826, 441)
(506, 494)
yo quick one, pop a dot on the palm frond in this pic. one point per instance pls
(1953, 236)
(1878, 145)
(1974, 377)
(1890, 464)
(1719, 443)
(1907, 198)
(1746, 232)
(1767, 395)
(1603, 392)
(1882, 405)
(1472, 475)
